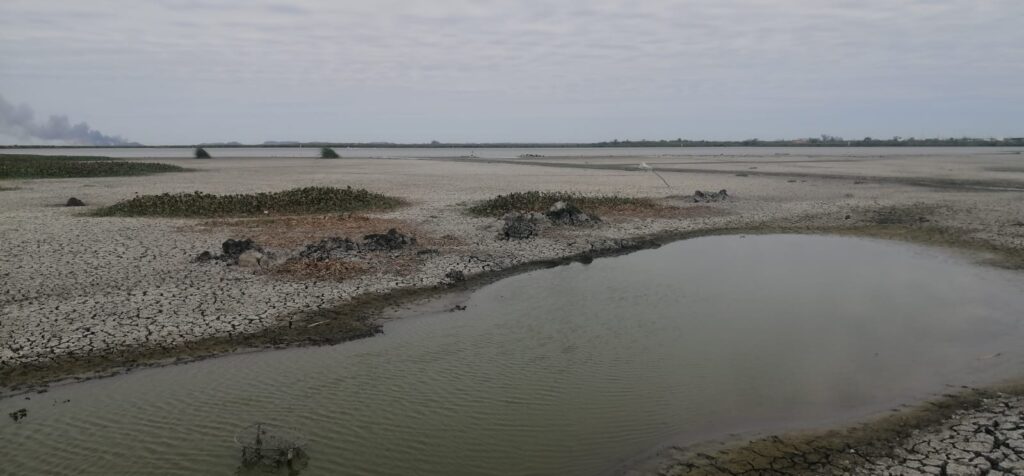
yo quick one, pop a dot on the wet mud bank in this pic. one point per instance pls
(358, 318)
(578, 343)
(354, 319)
(969, 431)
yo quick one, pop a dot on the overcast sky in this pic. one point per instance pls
(188, 71)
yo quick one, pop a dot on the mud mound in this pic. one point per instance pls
(455, 276)
(392, 240)
(338, 247)
(328, 249)
(234, 248)
(521, 226)
(74, 202)
(701, 196)
(566, 213)
(231, 251)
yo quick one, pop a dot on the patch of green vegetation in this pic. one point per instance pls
(201, 153)
(542, 201)
(308, 200)
(24, 166)
(328, 153)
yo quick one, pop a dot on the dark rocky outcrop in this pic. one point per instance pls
(455, 276)
(701, 196)
(329, 248)
(246, 253)
(231, 250)
(520, 226)
(74, 202)
(566, 213)
(392, 240)
(337, 247)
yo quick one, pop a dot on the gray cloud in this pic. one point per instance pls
(447, 68)
(18, 122)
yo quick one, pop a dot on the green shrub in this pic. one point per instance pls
(289, 202)
(201, 153)
(542, 201)
(24, 166)
(328, 153)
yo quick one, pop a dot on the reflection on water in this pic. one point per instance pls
(571, 370)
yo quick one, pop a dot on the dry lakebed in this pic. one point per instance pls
(835, 311)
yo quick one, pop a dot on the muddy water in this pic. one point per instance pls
(571, 370)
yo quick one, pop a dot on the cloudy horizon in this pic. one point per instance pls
(188, 71)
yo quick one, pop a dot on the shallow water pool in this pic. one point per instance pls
(570, 370)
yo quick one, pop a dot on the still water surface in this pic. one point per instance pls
(571, 370)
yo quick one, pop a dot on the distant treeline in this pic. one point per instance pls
(822, 141)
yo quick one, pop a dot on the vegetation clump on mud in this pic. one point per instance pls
(543, 201)
(289, 202)
(328, 153)
(55, 166)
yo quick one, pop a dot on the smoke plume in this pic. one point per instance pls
(18, 123)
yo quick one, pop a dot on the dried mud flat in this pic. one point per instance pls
(85, 294)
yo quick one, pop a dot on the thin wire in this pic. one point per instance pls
(662, 178)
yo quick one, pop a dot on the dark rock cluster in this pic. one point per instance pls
(455, 276)
(701, 196)
(231, 250)
(520, 226)
(565, 213)
(392, 240)
(338, 247)
(329, 248)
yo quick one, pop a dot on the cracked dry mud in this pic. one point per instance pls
(986, 440)
(76, 286)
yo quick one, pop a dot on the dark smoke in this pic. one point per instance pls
(19, 123)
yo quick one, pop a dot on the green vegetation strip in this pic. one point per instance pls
(542, 201)
(52, 166)
(308, 200)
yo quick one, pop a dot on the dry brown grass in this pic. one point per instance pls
(404, 263)
(292, 232)
(660, 211)
(335, 270)
(296, 231)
